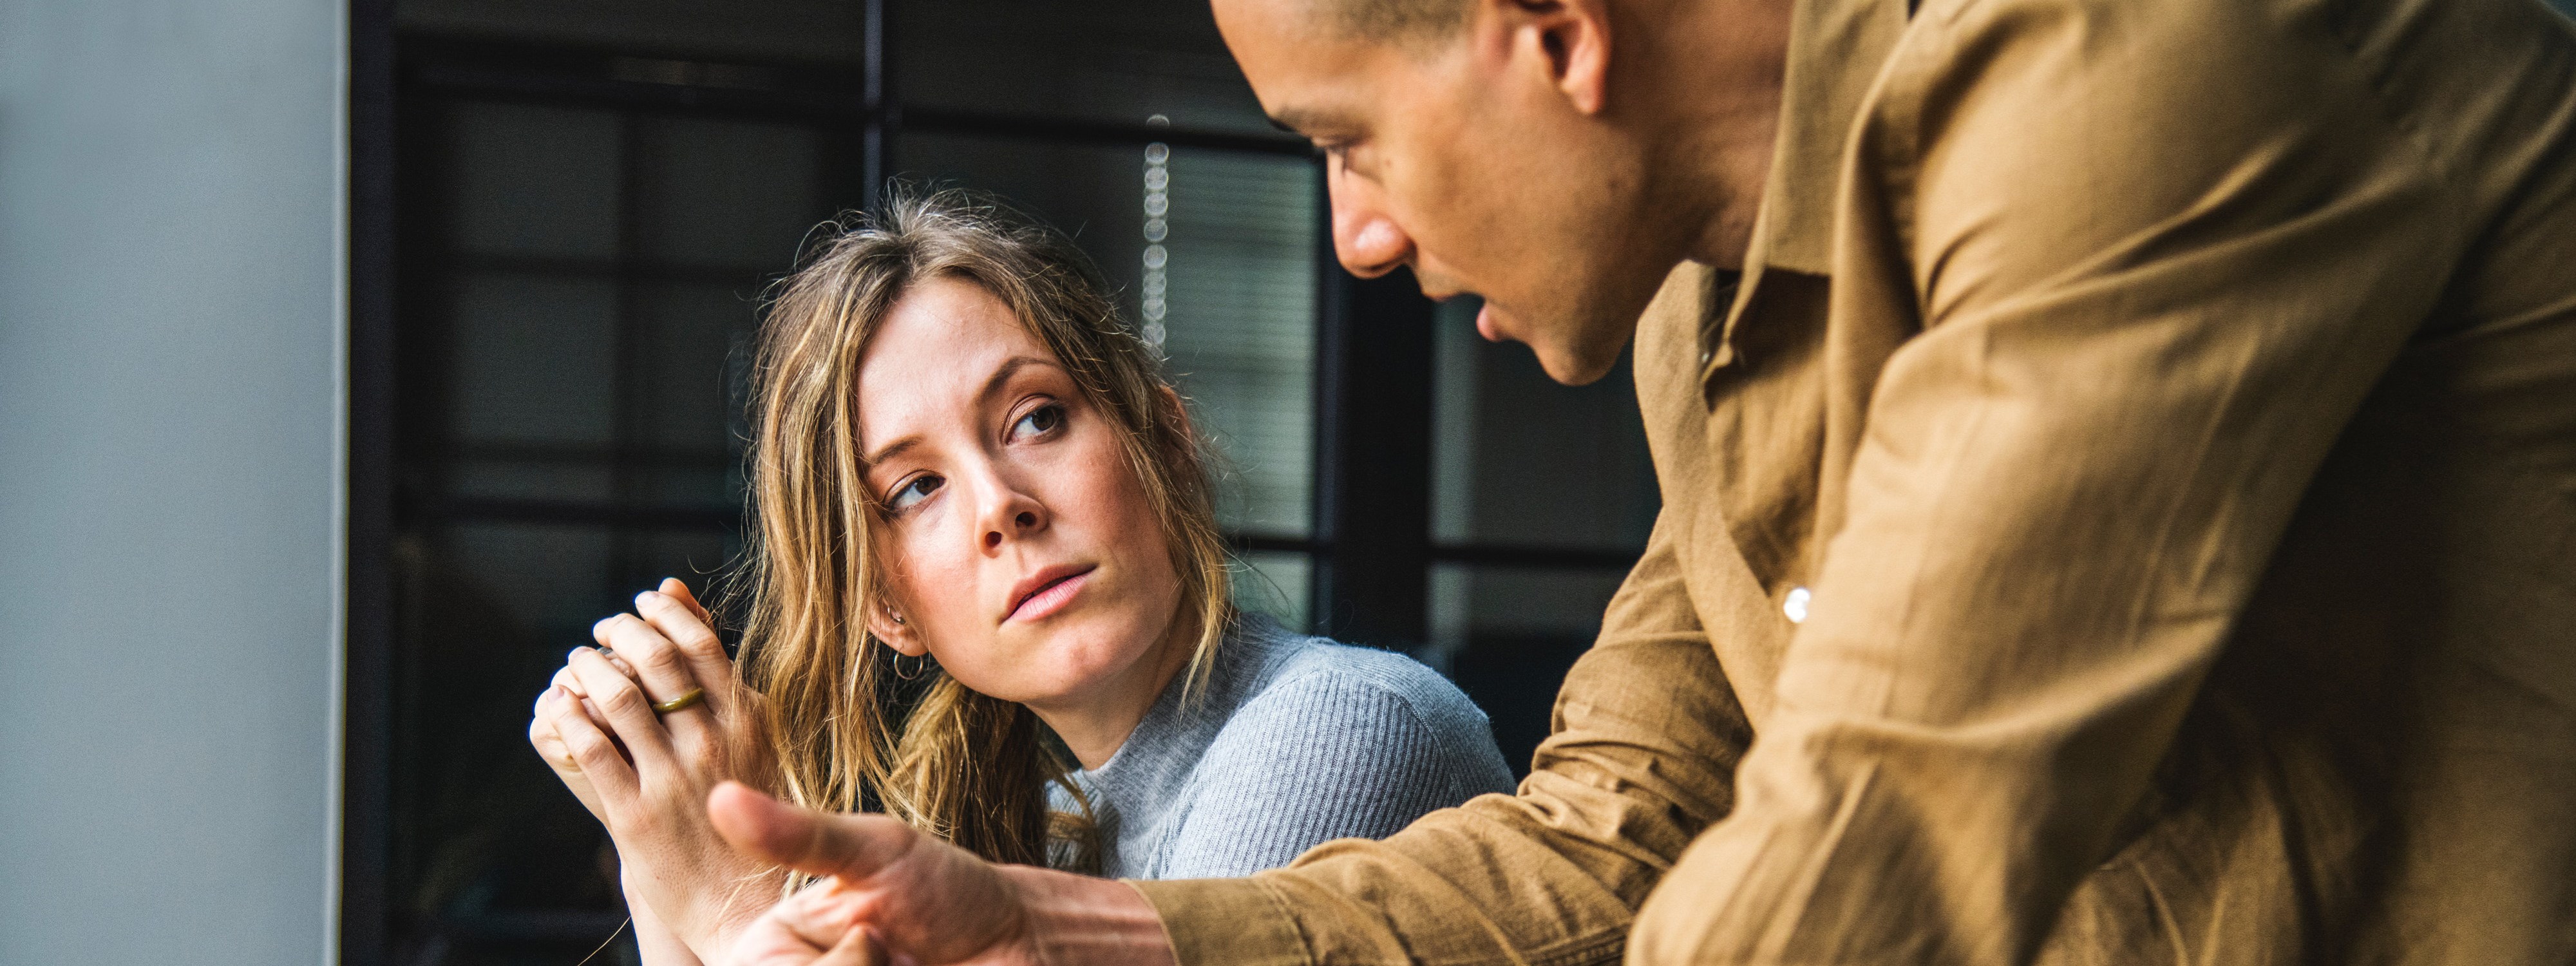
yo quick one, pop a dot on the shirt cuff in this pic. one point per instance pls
(1227, 921)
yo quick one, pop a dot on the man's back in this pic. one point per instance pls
(2112, 285)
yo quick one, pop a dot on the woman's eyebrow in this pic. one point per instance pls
(1002, 373)
(892, 450)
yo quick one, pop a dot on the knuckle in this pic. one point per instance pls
(662, 658)
(699, 640)
(588, 747)
(622, 701)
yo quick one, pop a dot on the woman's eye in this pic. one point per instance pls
(1039, 421)
(915, 491)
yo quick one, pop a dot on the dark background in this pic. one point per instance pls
(565, 214)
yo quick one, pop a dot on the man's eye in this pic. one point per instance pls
(915, 491)
(1039, 421)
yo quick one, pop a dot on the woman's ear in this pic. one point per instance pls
(1180, 413)
(889, 625)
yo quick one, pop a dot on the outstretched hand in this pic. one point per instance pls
(895, 895)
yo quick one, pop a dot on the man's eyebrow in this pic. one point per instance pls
(1304, 123)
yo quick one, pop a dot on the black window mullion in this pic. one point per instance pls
(1372, 453)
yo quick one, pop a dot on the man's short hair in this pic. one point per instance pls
(1394, 20)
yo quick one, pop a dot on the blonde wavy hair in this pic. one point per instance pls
(849, 735)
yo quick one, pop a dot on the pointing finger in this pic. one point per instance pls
(852, 847)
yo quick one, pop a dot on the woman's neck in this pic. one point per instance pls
(1096, 723)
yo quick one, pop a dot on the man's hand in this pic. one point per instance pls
(896, 895)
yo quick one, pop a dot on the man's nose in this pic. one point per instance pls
(1368, 241)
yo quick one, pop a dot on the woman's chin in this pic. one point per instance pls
(1072, 664)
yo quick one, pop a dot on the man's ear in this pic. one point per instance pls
(896, 634)
(1572, 37)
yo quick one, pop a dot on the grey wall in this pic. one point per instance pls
(169, 185)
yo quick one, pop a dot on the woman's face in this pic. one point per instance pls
(1021, 550)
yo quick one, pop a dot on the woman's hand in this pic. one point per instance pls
(647, 773)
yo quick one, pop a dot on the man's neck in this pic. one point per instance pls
(1721, 64)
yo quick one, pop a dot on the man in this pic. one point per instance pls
(2123, 509)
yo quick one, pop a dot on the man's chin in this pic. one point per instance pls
(1573, 367)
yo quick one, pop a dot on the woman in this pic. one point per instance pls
(989, 598)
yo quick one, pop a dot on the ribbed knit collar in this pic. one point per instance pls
(1147, 774)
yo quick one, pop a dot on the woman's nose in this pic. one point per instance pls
(1368, 242)
(1012, 515)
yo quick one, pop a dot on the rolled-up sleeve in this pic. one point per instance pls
(1647, 732)
(2158, 255)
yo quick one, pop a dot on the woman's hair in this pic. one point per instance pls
(968, 768)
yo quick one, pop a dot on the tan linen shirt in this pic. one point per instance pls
(2166, 412)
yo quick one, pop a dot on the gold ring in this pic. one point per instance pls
(689, 700)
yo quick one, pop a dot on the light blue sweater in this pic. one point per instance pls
(1293, 742)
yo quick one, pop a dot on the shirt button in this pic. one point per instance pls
(1795, 605)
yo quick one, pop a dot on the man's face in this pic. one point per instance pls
(1464, 157)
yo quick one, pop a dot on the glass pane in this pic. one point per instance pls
(688, 338)
(697, 556)
(534, 181)
(1239, 327)
(578, 478)
(1506, 635)
(1519, 460)
(1277, 584)
(1114, 62)
(726, 192)
(1090, 192)
(490, 851)
(1237, 282)
(549, 581)
(535, 360)
(817, 31)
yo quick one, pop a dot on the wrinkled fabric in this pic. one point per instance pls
(2163, 418)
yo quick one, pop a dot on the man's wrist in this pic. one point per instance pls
(1238, 922)
(1081, 921)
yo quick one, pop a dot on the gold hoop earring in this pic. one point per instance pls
(919, 664)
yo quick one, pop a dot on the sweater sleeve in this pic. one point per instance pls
(1331, 755)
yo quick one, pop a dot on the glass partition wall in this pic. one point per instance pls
(565, 215)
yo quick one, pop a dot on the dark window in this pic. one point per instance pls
(566, 213)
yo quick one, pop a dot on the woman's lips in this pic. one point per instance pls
(1051, 598)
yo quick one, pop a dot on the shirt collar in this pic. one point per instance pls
(1836, 48)
(1836, 51)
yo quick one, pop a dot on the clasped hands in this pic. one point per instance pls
(703, 857)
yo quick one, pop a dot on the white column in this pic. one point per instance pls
(170, 195)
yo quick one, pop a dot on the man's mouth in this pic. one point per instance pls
(1041, 594)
